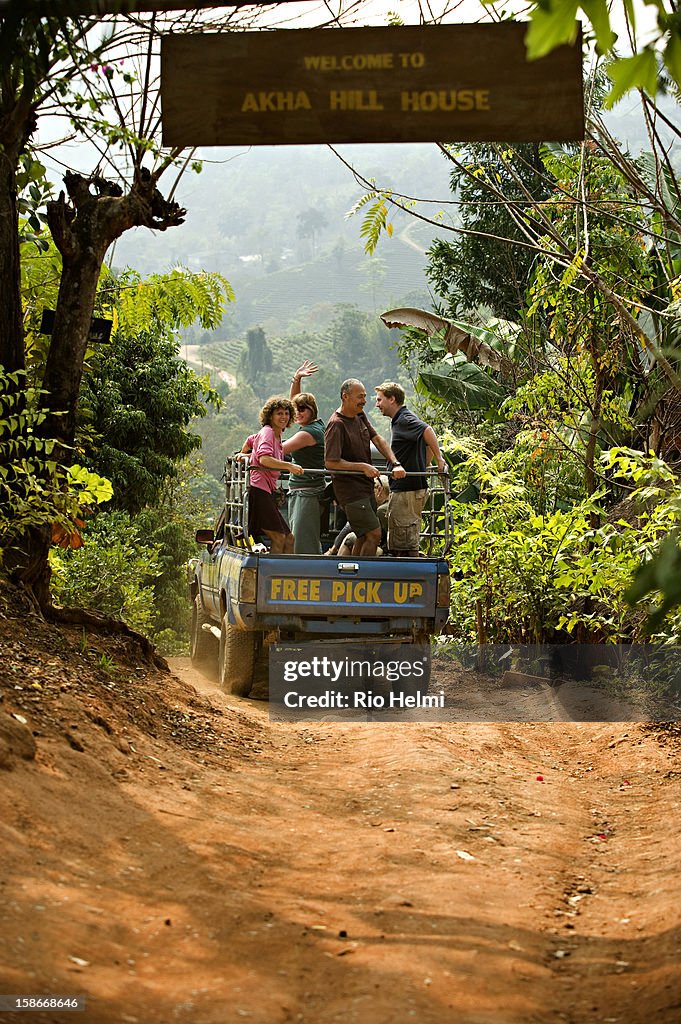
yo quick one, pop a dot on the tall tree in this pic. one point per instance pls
(485, 267)
(55, 58)
(310, 223)
(255, 361)
(138, 397)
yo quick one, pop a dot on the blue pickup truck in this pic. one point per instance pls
(246, 600)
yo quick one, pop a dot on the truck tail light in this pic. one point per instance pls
(247, 585)
(443, 591)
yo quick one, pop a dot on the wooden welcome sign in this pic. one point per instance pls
(453, 83)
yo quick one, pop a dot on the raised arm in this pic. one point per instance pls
(306, 370)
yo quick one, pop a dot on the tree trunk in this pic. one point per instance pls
(590, 480)
(28, 564)
(11, 323)
(17, 123)
(82, 229)
(28, 558)
(64, 366)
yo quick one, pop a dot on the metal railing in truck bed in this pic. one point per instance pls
(436, 524)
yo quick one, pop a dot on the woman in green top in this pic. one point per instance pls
(306, 448)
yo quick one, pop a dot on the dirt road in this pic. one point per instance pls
(194, 354)
(188, 860)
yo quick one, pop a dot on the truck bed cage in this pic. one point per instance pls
(436, 524)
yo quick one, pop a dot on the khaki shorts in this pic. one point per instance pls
(404, 519)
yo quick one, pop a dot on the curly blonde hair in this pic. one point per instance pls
(271, 406)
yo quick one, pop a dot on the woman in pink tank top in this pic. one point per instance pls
(266, 462)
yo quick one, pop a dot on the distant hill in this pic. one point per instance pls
(273, 221)
(373, 284)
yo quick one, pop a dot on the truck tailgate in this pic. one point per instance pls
(371, 588)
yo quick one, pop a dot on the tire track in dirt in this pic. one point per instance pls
(616, 926)
(509, 872)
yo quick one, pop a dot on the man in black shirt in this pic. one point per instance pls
(415, 445)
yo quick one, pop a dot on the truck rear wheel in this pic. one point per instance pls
(202, 644)
(236, 660)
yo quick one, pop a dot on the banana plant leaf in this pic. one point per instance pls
(472, 342)
(463, 385)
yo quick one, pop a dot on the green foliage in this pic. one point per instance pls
(34, 190)
(35, 489)
(528, 577)
(612, 228)
(172, 300)
(659, 575)
(604, 385)
(138, 398)
(362, 348)
(553, 23)
(578, 374)
(90, 488)
(170, 645)
(134, 566)
(375, 220)
(170, 528)
(639, 71)
(107, 664)
(461, 385)
(138, 402)
(113, 572)
(594, 362)
(376, 204)
(485, 268)
(561, 399)
(187, 503)
(465, 386)
(40, 275)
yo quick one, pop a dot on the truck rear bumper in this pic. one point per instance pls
(341, 626)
